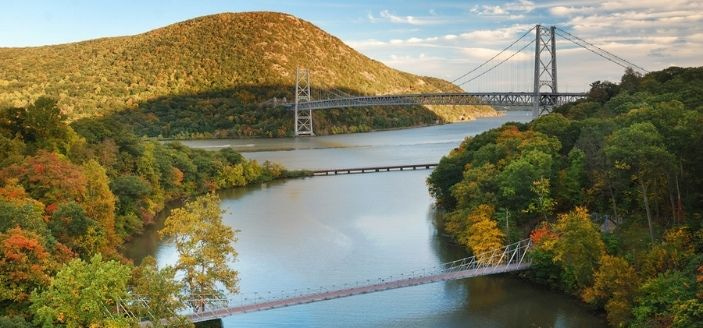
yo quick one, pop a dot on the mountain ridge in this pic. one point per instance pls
(213, 52)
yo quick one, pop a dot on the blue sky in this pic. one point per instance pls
(437, 38)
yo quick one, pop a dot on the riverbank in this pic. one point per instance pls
(448, 117)
(297, 234)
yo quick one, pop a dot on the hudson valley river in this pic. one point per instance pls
(322, 231)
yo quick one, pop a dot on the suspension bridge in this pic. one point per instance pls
(510, 258)
(510, 78)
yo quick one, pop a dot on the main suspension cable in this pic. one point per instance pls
(569, 37)
(496, 65)
(494, 57)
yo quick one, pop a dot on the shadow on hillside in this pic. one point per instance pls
(250, 111)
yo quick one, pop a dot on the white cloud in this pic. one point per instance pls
(510, 10)
(365, 44)
(520, 5)
(386, 15)
(569, 11)
(651, 33)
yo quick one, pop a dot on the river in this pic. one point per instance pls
(321, 231)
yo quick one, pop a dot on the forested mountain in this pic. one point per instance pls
(609, 189)
(208, 75)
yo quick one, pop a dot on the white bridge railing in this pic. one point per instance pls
(512, 257)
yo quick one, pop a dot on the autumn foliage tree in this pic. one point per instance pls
(615, 285)
(204, 246)
(578, 247)
(83, 294)
(161, 292)
(49, 178)
(25, 264)
(482, 235)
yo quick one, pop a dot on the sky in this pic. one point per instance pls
(442, 38)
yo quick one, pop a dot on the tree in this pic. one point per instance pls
(515, 181)
(25, 213)
(630, 81)
(638, 150)
(40, 125)
(73, 228)
(658, 297)
(204, 246)
(159, 288)
(81, 292)
(578, 248)
(572, 180)
(542, 204)
(483, 235)
(132, 193)
(25, 264)
(100, 204)
(49, 178)
(614, 285)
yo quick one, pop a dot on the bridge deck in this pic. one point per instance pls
(375, 169)
(524, 99)
(346, 292)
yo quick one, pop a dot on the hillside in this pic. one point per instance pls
(224, 61)
(609, 189)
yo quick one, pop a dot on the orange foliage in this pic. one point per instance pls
(12, 191)
(541, 233)
(49, 178)
(24, 262)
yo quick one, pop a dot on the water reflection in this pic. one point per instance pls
(305, 233)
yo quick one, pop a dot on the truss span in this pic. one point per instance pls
(525, 99)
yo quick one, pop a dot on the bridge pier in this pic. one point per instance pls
(545, 70)
(303, 117)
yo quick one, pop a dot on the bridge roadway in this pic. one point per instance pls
(346, 292)
(524, 99)
(374, 169)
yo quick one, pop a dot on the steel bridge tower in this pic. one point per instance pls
(303, 118)
(545, 70)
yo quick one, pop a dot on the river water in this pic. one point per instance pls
(305, 233)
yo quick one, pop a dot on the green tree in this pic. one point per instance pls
(81, 293)
(73, 228)
(578, 248)
(658, 297)
(159, 288)
(14, 322)
(515, 181)
(131, 192)
(204, 246)
(638, 151)
(542, 204)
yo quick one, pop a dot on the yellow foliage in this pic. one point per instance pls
(484, 237)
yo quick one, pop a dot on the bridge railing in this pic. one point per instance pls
(497, 260)
(510, 257)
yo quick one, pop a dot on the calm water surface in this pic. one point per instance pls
(305, 233)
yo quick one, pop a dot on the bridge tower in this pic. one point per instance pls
(545, 70)
(303, 118)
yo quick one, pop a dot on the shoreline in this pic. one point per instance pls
(473, 118)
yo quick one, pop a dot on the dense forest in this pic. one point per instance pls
(609, 189)
(213, 76)
(71, 195)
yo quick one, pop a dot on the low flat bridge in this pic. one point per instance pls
(513, 257)
(374, 169)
